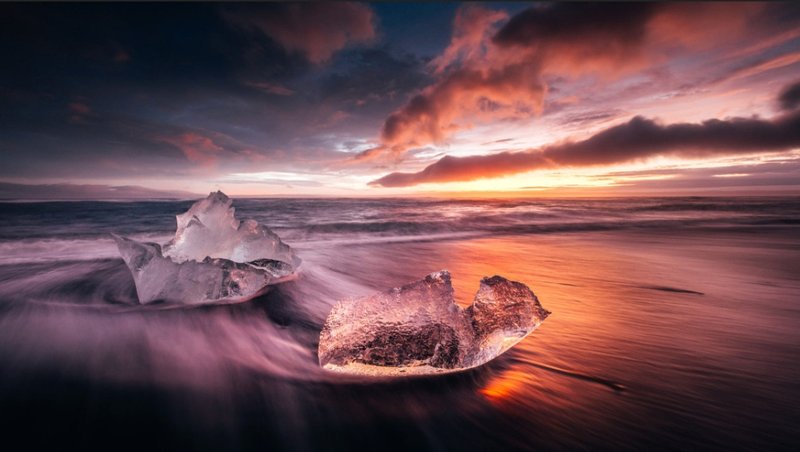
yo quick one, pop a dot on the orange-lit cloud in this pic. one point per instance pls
(472, 27)
(700, 24)
(474, 82)
(491, 72)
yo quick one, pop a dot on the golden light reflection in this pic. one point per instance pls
(505, 385)
(569, 278)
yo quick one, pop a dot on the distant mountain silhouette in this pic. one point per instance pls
(87, 192)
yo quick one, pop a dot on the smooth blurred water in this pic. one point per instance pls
(674, 326)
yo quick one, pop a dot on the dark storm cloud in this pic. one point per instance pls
(167, 89)
(638, 139)
(83, 44)
(607, 26)
(116, 145)
(789, 98)
(89, 84)
(314, 29)
(374, 75)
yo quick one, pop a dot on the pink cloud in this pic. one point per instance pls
(472, 27)
(196, 148)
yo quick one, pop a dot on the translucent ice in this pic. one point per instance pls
(210, 229)
(213, 257)
(418, 329)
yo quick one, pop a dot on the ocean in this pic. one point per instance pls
(675, 325)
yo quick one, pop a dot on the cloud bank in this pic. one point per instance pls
(637, 140)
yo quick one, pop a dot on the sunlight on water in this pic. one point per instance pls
(505, 385)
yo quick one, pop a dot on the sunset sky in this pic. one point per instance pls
(357, 99)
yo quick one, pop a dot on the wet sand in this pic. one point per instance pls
(659, 339)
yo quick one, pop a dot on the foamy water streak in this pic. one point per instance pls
(81, 230)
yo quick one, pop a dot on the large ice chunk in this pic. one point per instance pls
(213, 257)
(418, 329)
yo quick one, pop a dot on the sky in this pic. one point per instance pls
(396, 99)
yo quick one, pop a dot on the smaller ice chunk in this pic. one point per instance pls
(418, 329)
(213, 257)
